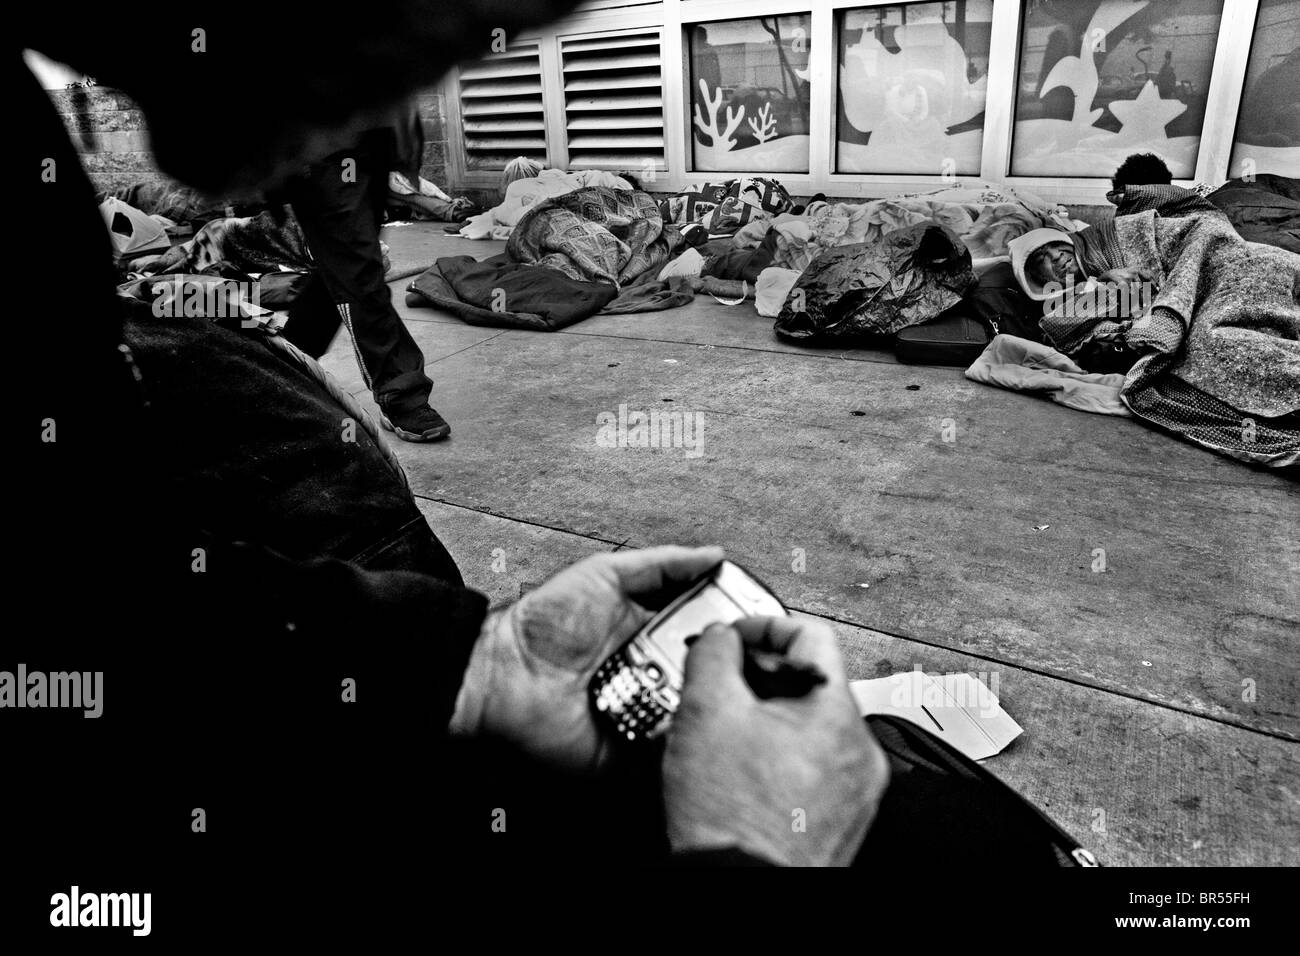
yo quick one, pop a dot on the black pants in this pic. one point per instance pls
(341, 207)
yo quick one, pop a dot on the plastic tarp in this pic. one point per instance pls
(867, 289)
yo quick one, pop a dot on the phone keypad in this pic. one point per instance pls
(632, 699)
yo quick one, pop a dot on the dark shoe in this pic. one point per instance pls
(420, 424)
(462, 207)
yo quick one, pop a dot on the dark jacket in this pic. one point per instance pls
(223, 663)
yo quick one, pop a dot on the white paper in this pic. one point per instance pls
(958, 708)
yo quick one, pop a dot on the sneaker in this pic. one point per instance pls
(420, 424)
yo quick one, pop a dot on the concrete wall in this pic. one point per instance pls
(108, 132)
(433, 114)
(110, 135)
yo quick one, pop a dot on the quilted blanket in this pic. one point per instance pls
(595, 234)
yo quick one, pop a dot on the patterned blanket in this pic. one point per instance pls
(595, 234)
(1223, 334)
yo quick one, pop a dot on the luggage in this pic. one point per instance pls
(997, 305)
(998, 301)
(951, 339)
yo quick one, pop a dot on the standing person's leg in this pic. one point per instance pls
(340, 207)
(314, 319)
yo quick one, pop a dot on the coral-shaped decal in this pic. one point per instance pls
(721, 140)
(764, 128)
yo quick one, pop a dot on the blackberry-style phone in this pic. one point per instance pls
(638, 688)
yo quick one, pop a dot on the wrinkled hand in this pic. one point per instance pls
(1131, 290)
(796, 781)
(1127, 274)
(528, 674)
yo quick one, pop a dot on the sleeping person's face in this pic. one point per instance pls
(1053, 262)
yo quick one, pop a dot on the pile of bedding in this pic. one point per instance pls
(570, 256)
(589, 227)
(723, 208)
(267, 242)
(905, 277)
(985, 219)
(595, 234)
(522, 194)
(177, 203)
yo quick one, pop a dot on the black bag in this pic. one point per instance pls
(997, 305)
(870, 289)
(940, 802)
(1107, 358)
(279, 290)
(998, 301)
(951, 339)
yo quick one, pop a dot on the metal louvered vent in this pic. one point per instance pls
(501, 108)
(613, 102)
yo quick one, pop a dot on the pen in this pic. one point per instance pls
(774, 675)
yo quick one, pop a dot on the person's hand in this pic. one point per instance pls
(793, 780)
(1130, 291)
(528, 674)
(1126, 275)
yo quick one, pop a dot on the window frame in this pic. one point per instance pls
(1245, 71)
(673, 17)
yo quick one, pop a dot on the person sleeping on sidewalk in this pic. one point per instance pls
(1047, 262)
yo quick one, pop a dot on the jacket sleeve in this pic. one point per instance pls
(402, 639)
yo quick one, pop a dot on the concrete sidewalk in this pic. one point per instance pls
(1134, 597)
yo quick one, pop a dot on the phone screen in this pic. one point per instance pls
(730, 594)
(710, 606)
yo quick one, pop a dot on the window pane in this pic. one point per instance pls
(1100, 79)
(749, 93)
(912, 83)
(1268, 126)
